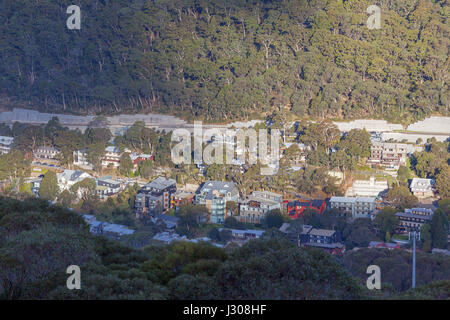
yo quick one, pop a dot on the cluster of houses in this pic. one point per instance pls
(110, 230)
(105, 186)
(111, 158)
(161, 194)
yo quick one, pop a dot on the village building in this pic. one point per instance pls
(68, 178)
(214, 195)
(181, 197)
(137, 158)
(6, 144)
(391, 155)
(384, 245)
(296, 208)
(238, 235)
(107, 187)
(80, 159)
(155, 196)
(413, 219)
(111, 157)
(422, 188)
(48, 154)
(367, 188)
(254, 208)
(306, 235)
(357, 207)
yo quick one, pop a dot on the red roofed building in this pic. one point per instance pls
(377, 244)
(295, 209)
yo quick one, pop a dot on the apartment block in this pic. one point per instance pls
(358, 207)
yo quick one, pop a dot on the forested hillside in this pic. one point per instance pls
(221, 60)
(38, 242)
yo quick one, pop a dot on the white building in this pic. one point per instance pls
(46, 153)
(68, 178)
(80, 159)
(254, 208)
(112, 157)
(5, 144)
(358, 207)
(108, 187)
(367, 188)
(422, 188)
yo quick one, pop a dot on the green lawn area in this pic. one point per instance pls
(400, 237)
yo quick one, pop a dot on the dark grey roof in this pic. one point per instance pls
(416, 216)
(76, 175)
(166, 217)
(160, 183)
(218, 185)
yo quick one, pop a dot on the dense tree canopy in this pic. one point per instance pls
(38, 241)
(228, 59)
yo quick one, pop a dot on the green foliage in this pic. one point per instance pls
(145, 169)
(273, 219)
(403, 175)
(436, 290)
(439, 229)
(125, 165)
(49, 186)
(359, 233)
(41, 240)
(386, 221)
(395, 266)
(401, 197)
(356, 143)
(425, 236)
(221, 60)
(191, 217)
(443, 183)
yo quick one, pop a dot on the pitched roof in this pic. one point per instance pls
(421, 184)
(321, 232)
(160, 183)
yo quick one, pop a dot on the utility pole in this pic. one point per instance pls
(414, 260)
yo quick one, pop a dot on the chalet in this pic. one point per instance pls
(367, 188)
(170, 222)
(36, 185)
(80, 158)
(307, 236)
(68, 178)
(422, 188)
(137, 158)
(110, 230)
